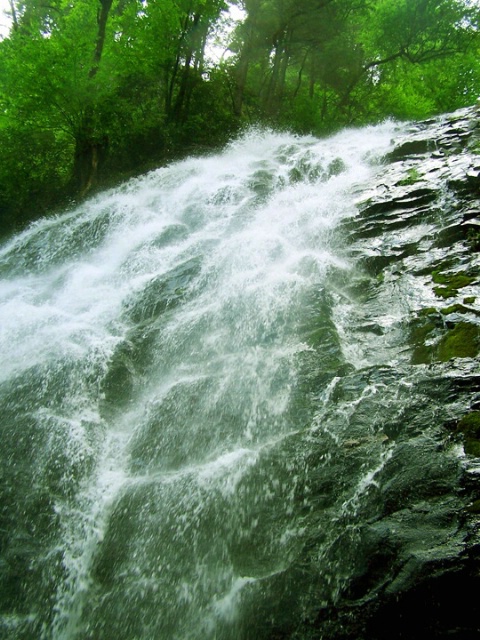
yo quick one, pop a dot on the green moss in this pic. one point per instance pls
(438, 277)
(472, 447)
(427, 311)
(413, 176)
(427, 322)
(474, 147)
(452, 281)
(469, 300)
(469, 424)
(461, 280)
(421, 332)
(461, 342)
(454, 308)
(473, 239)
(474, 507)
(459, 308)
(422, 354)
(444, 292)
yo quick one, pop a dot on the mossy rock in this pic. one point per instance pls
(469, 424)
(458, 308)
(473, 239)
(469, 300)
(413, 176)
(336, 167)
(410, 148)
(474, 507)
(428, 311)
(454, 308)
(420, 333)
(444, 292)
(472, 447)
(452, 281)
(424, 327)
(463, 341)
(423, 354)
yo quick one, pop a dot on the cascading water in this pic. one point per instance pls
(192, 432)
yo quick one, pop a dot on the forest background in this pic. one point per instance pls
(93, 91)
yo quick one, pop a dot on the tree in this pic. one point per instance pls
(340, 55)
(51, 80)
(98, 87)
(401, 34)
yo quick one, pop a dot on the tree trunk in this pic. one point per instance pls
(240, 84)
(90, 150)
(270, 102)
(85, 166)
(179, 108)
(283, 68)
(241, 72)
(13, 13)
(106, 5)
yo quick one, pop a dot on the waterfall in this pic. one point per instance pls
(197, 414)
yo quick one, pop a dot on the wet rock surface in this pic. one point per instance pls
(417, 239)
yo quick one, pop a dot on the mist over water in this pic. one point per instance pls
(174, 420)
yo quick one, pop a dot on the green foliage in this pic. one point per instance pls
(412, 177)
(34, 169)
(95, 89)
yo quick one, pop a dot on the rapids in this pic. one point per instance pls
(203, 403)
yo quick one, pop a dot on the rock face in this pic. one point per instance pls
(417, 239)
